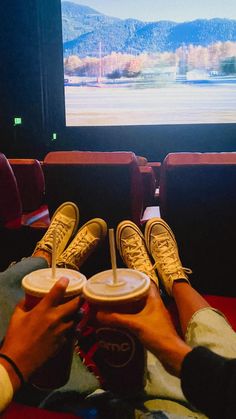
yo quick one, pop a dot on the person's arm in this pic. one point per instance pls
(208, 380)
(33, 336)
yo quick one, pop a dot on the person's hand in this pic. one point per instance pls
(34, 336)
(154, 327)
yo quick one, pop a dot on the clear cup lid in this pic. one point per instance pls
(131, 284)
(39, 283)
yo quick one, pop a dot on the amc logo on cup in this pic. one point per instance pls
(117, 346)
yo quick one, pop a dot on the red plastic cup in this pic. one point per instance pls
(121, 358)
(55, 372)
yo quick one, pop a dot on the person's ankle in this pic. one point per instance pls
(43, 254)
(180, 282)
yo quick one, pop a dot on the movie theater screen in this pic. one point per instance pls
(149, 62)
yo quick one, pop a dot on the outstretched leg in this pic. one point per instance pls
(64, 221)
(188, 302)
(161, 243)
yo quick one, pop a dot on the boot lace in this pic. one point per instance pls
(61, 228)
(166, 254)
(81, 247)
(136, 257)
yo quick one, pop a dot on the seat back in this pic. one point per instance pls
(156, 167)
(149, 185)
(10, 202)
(198, 200)
(103, 184)
(30, 180)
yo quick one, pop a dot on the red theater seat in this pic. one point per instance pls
(142, 161)
(18, 233)
(19, 411)
(149, 185)
(150, 172)
(198, 200)
(30, 180)
(10, 202)
(103, 184)
(156, 167)
(151, 179)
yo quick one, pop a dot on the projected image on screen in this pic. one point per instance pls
(149, 62)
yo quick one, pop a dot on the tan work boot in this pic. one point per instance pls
(65, 222)
(84, 243)
(161, 243)
(131, 245)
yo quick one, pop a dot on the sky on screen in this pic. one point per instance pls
(153, 10)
